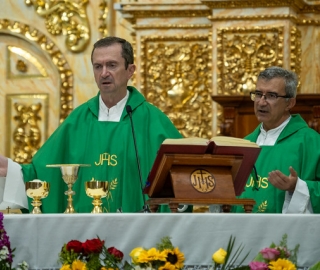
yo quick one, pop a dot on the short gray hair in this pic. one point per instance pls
(290, 78)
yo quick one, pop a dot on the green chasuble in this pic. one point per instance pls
(109, 148)
(297, 146)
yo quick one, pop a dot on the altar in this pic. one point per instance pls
(38, 239)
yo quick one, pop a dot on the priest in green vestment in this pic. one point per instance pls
(288, 167)
(99, 133)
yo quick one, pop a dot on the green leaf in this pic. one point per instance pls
(231, 258)
(315, 266)
(165, 243)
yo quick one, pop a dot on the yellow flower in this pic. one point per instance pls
(167, 266)
(282, 264)
(151, 255)
(135, 253)
(78, 265)
(65, 267)
(219, 256)
(175, 257)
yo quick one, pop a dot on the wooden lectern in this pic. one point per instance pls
(197, 171)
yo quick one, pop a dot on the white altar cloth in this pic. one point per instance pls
(38, 238)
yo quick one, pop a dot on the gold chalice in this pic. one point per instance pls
(37, 190)
(69, 176)
(96, 190)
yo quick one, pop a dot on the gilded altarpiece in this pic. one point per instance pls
(246, 37)
(185, 52)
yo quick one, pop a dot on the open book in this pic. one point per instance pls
(219, 145)
(217, 140)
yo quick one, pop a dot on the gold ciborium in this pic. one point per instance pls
(69, 175)
(96, 190)
(37, 190)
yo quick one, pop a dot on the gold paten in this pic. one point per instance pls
(69, 175)
(96, 190)
(37, 190)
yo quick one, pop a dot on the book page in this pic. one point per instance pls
(187, 141)
(218, 140)
(232, 141)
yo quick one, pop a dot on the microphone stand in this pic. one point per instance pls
(145, 208)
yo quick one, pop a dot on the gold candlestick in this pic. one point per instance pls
(96, 190)
(69, 176)
(37, 190)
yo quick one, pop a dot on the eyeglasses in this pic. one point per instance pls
(270, 96)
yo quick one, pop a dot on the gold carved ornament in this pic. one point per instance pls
(243, 53)
(103, 27)
(27, 134)
(295, 53)
(67, 17)
(57, 58)
(176, 77)
(226, 4)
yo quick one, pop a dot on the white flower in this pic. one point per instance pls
(4, 252)
(23, 266)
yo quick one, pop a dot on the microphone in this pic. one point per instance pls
(145, 208)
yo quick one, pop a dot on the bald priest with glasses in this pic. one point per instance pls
(288, 166)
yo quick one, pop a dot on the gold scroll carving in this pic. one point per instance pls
(57, 58)
(27, 117)
(104, 11)
(176, 77)
(67, 17)
(242, 53)
(27, 135)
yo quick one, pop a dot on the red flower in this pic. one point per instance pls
(74, 245)
(116, 253)
(93, 246)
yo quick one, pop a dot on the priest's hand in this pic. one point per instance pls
(283, 182)
(3, 166)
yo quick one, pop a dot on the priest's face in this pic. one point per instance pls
(272, 112)
(110, 73)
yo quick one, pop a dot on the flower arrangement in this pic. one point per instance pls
(6, 253)
(164, 257)
(90, 255)
(275, 257)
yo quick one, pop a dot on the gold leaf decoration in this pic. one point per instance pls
(177, 78)
(243, 53)
(57, 58)
(67, 17)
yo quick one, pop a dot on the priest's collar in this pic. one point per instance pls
(270, 137)
(114, 113)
